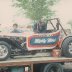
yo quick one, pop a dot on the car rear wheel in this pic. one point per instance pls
(5, 50)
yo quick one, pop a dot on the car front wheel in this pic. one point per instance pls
(67, 47)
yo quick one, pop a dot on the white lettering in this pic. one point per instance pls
(51, 40)
(40, 41)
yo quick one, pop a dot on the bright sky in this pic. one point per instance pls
(8, 13)
(64, 11)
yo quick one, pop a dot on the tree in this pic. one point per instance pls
(36, 9)
(70, 23)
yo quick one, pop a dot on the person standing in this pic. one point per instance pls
(40, 27)
(16, 29)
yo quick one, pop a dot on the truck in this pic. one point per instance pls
(30, 43)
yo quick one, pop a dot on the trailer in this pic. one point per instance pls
(37, 64)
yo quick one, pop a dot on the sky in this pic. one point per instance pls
(64, 11)
(8, 14)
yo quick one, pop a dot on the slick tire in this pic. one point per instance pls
(67, 47)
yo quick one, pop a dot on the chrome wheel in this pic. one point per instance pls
(3, 51)
(70, 48)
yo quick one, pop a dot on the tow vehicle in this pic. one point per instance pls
(12, 44)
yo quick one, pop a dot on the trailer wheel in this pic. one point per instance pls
(53, 67)
(67, 47)
(5, 50)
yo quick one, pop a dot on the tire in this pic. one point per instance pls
(6, 52)
(67, 47)
(53, 67)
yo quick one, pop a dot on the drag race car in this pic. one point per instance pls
(15, 44)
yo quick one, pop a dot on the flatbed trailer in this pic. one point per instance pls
(31, 62)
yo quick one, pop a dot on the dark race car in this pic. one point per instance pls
(15, 44)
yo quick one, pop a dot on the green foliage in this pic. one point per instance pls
(70, 23)
(36, 9)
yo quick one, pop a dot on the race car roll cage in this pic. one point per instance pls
(57, 25)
